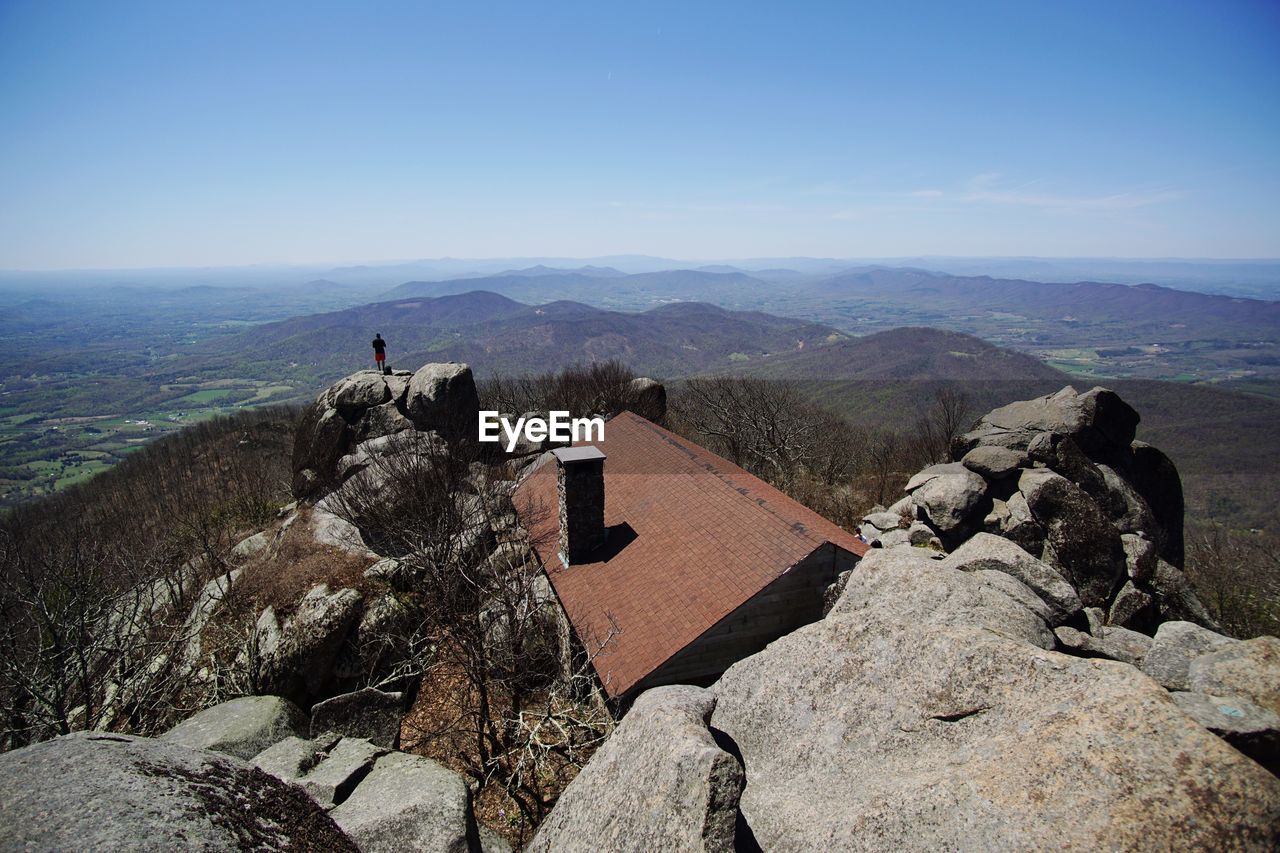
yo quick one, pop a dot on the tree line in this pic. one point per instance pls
(96, 581)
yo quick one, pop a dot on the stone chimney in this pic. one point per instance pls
(580, 483)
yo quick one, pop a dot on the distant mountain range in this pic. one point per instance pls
(145, 345)
(910, 354)
(1088, 310)
(1073, 313)
(1225, 443)
(494, 333)
(1094, 329)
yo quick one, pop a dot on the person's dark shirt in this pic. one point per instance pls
(379, 345)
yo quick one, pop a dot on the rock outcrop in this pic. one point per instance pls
(368, 713)
(407, 802)
(368, 405)
(947, 495)
(1005, 695)
(442, 398)
(648, 399)
(1175, 646)
(1063, 478)
(922, 714)
(93, 791)
(380, 798)
(1098, 421)
(985, 552)
(328, 767)
(1249, 668)
(660, 783)
(241, 727)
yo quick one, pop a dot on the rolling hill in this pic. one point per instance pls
(1225, 444)
(1091, 329)
(636, 291)
(1088, 310)
(494, 333)
(1085, 311)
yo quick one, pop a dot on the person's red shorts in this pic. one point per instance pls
(379, 357)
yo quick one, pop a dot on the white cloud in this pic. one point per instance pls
(986, 188)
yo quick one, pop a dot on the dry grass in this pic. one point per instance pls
(433, 728)
(299, 563)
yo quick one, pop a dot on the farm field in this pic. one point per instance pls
(43, 454)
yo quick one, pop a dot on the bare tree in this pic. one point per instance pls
(96, 582)
(763, 425)
(886, 456)
(948, 417)
(1236, 573)
(512, 703)
(601, 388)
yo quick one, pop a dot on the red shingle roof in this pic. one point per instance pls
(707, 537)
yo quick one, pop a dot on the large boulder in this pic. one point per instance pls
(1061, 454)
(647, 398)
(933, 593)
(987, 552)
(1109, 642)
(903, 721)
(383, 420)
(368, 713)
(443, 398)
(995, 463)
(1079, 540)
(1127, 509)
(1155, 477)
(241, 727)
(383, 451)
(93, 791)
(354, 409)
(1253, 730)
(1250, 668)
(949, 494)
(407, 802)
(1176, 645)
(332, 530)
(1098, 420)
(379, 642)
(876, 523)
(352, 394)
(1140, 555)
(297, 658)
(1018, 525)
(1176, 598)
(660, 782)
(328, 768)
(320, 439)
(1130, 605)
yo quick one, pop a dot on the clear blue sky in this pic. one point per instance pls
(185, 133)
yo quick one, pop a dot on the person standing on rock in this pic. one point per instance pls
(380, 352)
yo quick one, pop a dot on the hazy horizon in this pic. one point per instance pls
(691, 261)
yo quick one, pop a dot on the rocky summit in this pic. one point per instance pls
(1018, 662)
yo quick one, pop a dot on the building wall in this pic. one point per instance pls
(792, 600)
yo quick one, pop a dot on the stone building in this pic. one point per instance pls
(686, 562)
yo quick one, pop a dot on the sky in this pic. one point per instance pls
(137, 134)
